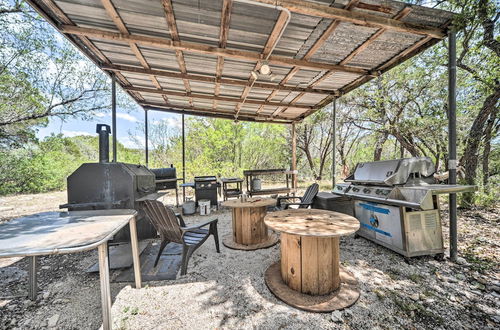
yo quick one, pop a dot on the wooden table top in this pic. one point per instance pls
(312, 222)
(251, 202)
(60, 232)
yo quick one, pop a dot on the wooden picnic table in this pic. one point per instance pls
(308, 275)
(249, 230)
(52, 233)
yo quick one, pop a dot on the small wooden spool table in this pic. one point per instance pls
(249, 230)
(309, 275)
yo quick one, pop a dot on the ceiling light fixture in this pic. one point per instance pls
(265, 69)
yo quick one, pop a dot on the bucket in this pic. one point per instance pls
(204, 206)
(189, 207)
(256, 184)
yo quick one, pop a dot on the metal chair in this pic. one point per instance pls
(305, 201)
(172, 228)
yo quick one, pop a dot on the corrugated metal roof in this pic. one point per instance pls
(250, 29)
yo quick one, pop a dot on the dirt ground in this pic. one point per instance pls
(227, 290)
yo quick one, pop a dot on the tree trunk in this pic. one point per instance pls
(406, 143)
(379, 146)
(487, 149)
(476, 132)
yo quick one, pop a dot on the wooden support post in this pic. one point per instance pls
(135, 253)
(32, 287)
(107, 322)
(294, 157)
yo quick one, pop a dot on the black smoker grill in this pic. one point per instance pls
(205, 187)
(166, 179)
(104, 185)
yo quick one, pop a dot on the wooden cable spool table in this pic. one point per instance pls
(309, 275)
(249, 230)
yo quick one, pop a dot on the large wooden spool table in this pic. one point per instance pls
(309, 275)
(249, 230)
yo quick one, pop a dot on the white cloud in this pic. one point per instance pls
(74, 133)
(127, 117)
(99, 114)
(174, 122)
(135, 142)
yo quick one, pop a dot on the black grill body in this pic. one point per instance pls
(163, 174)
(98, 186)
(205, 187)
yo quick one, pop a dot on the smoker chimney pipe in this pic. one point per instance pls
(103, 130)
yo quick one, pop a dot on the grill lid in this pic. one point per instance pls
(393, 172)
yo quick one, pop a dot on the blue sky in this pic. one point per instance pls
(127, 124)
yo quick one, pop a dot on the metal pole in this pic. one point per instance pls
(294, 157)
(334, 141)
(113, 113)
(183, 160)
(452, 140)
(146, 136)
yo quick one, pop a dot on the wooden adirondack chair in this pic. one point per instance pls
(172, 228)
(305, 201)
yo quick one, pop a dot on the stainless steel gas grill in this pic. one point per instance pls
(397, 206)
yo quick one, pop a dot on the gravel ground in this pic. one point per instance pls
(227, 290)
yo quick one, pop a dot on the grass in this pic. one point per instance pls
(481, 264)
(420, 312)
(416, 278)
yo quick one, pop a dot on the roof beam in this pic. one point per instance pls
(279, 25)
(66, 20)
(210, 97)
(409, 52)
(227, 7)
(174, 34)
(222, 81)
(203, 49)
(403, 13)
(196, 111)
(314, 48)
(115, 16)
(359, 18)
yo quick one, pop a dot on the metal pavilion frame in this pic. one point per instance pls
(431, 35)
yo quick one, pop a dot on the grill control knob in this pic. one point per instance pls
(366, 191)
